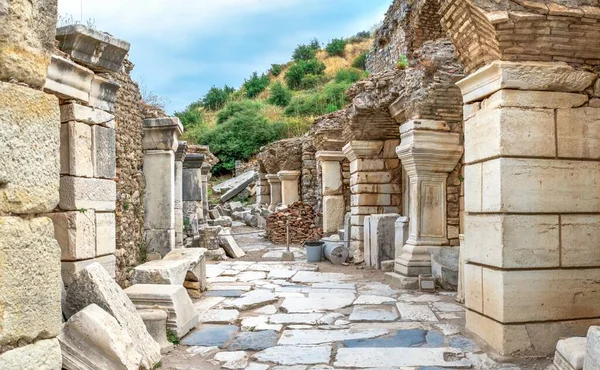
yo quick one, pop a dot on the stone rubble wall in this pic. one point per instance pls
(310, 189)
(30, 281)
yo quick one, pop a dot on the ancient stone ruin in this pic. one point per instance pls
(468, 160)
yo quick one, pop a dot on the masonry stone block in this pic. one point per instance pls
(513, 241)
(30, 137)
(104, 152)
(578, 132)
(376, 188)
(370, 200)
(502, 132)
(191, 184)
(539, 185)
(69, 80)
(334, 209)
(77, 193)
(361, 210)
(76, 234)
(592, 349)
(160, 241)
(473, 187)
(533, 99)
(367, 165)
(106, 238)
(70, 269)
(81, 113)
(381, 233)
(579, 236)
(30, 288)
(103, 94)
(370, 178)
(76, 149)
(159, 171)
(161, 133)
(473, 283)
(97, 50)
(44, 354)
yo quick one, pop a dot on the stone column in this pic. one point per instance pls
(334, 207)
(428, 152)
(159, 142)
(179, 158)
(275, 190)
(289, 187)
(532, 205)
(374, 185)
(205, 174)
(192, 189)
(263, 193)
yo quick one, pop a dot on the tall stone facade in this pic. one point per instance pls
(30, 280)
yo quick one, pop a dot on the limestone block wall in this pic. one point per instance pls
(30, 282)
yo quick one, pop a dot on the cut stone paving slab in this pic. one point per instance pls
(221, 279)
(307, 318)
(448, 307)
(337, 286)
(305, 304)
(219, 316)
(374, 313)
(318, 277)
(251, 275)
(202, 350)
(256, 366)
(224, 293)
(233, 286)
(281, 274)
(395, 357)
(330, 318)
(253, 299)
(213, 271)
(295, 355)
(403, 338)
(249, 323)
(416, 312)
(274, 327)
(206, 303)
(253, 341)
(266, 310)
(302, 337)
(232, 360)
(210, 335)
(373, 299)
(419, 299)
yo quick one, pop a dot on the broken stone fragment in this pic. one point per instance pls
(228, 243)
(156, 323)
(94, 285)
(165, 271)
(93, 339)
(41, 355)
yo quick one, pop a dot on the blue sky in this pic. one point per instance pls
(183, 47)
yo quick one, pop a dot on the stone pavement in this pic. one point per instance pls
(288, 315)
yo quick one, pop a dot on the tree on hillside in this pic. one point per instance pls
(298, 71)
(216, 97)
(304, 52)
(256, 84)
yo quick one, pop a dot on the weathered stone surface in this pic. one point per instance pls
(316, 303)
(380, 239)
(81, 113)
(253, 341)
(76, 149)
(592, 349)
(294, 355)
(370, 313)
(394, 357)
(77, 193)
(156, 324)
(315, 336)
(318, 277)
(159, 202)
(69, 80)
(191, 184)
(571, 350)
(218, 316)
(210, 335)
(160, 241)
(103, 152)
(105, 234)
(196, 259)
(42, 355)
(30, 288)
(373, 299)
(92, 338)
(232, 360)
(161, 133)
(75, 233)
(534, 99)
(97, 50)
(241, 182)
(165, 271)
(252, 299)
(303, 318)
(103, 94)
(94, 285)
(70, 269)
(30, 137)
(578, 132)
(227, 242)
(409, 312)
(171, 298)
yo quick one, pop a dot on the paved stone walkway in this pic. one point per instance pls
(289, 315)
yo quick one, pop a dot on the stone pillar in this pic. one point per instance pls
(192, 190)
(275, 190)
(205, 174)
(160, 143)
(263, 193)
(532, 205)
(179, 158)
(289, 187)
(374, 185)
(334, 207)
(428, 152)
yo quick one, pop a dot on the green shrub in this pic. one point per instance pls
(402, 62)
(315, 44)
(191, 116)
(336, 47)
(280, 95)
(361, 61)
(330, 99)
(297, 71)
(359, 37)
(276, 69)
(243, 107)
(216, 97)
(349, 75)
(335, 93)
(311, 81)
(304, 52)
(256, 84)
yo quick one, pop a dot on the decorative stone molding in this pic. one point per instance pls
(68, 80)
(362, 149)
(161, 133)
(289, 187)
(428, 152)
(275, 185)
(97, 50)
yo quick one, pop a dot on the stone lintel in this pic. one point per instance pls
(424, 124)
(97, 50)
(103, 94)
(68, 80)
(180, 154)
(161, 133)
(362, 149)
(545, 76)
(288, 175)
(273, 178)
(329, 155)
(193, 160)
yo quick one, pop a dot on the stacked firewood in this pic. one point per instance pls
(302, 225)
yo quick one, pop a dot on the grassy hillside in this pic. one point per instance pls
(277, 104)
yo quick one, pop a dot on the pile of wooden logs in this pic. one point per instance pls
(301, 225)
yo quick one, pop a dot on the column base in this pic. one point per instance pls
(414, 260)
(398, 281)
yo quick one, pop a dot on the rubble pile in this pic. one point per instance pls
(302, 225)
